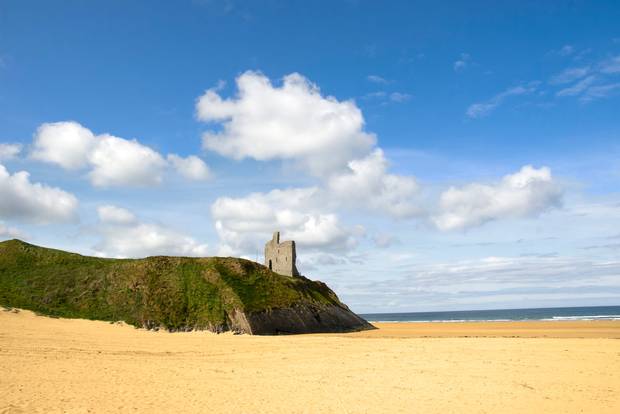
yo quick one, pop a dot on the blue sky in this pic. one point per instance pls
(425, 156)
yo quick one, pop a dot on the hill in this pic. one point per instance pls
(174, 293)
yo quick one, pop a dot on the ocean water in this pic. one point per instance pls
(587, 313)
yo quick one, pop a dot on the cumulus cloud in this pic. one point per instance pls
(367, 184)
(244, 223)
(22, 199)
(110, 214)
(67, 144)
(119, 162)
(288, 122)
(295, 122)
(482, 109)
(321, 230)
(190, 167)
(123, 235)
(528, 192)
(306, 214)
(9, 151)
(112, 161)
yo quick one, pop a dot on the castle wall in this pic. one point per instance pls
(281, 257)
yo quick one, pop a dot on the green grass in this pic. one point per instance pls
(175, 293)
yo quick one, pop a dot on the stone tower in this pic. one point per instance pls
(280, 257)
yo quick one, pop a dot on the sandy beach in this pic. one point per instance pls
(76, 366)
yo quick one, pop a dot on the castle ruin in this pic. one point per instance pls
(280, 257)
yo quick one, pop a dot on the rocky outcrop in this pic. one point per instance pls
(306, 318)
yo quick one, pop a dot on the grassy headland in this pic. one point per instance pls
(176, 293)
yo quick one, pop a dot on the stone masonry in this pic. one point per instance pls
(280, 257)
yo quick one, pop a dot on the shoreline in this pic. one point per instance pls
(609, 329)
(532, 328)
(498, 320)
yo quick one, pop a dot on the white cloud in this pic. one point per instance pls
(462, 62)
(244, 224)
(290, 122)
(322, 230)
(569, 75)
(295, 122)
(377, 79)
(599, 91)
(479, 110)
(112, 161)
(528, 192)
(120, 162)
(399, 97)
(123, 235)
(595, 86)
(384, 97)
(21, 199)
(367, 185)
(577, 88)
(304, 214)
(115, 215)
(9, 151)
(67, 144)
(191, 167)
(611, 66)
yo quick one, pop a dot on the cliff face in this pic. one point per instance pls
(174, 293)
(302, 318)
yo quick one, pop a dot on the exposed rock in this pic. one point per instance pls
(304, 319)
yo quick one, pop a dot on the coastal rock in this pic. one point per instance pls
(299, 319)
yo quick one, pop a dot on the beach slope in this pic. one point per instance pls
(79, 366)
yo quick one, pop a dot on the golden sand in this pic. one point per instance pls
(76, 366)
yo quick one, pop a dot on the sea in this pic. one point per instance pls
(582, 313)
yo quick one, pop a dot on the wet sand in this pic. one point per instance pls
(75, 366)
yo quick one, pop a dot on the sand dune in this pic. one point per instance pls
(76, 366)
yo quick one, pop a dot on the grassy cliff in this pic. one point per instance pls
(175, 293)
